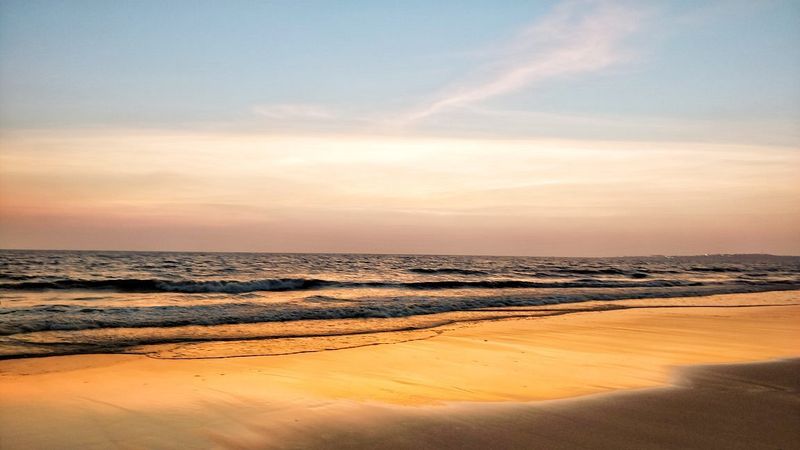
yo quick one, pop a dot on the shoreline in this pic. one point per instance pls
(98, 400)
(282, 338)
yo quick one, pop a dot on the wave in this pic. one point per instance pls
(518, 284)
(66, 317)
(715, 269)
(567, 272)
(185, 286)
(447, 270)
(299, 284)
(588, 271)
(16, 277)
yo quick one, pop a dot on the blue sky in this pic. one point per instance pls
(572, 127)
(191, 64)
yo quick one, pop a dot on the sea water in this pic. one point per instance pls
(67, 302)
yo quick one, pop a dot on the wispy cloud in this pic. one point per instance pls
(576, 37)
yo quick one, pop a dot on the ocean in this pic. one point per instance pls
(209, 305)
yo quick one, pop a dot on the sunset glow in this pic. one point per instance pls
(394, 194)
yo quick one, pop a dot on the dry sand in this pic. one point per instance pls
(595, 379)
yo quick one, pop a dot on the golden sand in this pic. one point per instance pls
(133, 401)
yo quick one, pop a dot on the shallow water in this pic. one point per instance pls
(61, 302)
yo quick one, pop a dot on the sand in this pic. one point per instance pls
(746, 406)
(626, 378)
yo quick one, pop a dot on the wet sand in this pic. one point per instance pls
(746, 406)
(599, 379)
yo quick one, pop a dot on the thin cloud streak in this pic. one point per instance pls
(577, 37)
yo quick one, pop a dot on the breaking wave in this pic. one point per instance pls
(185, 286)
(300, 284)
(79, 317)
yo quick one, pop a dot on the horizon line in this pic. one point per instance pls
(391, 254)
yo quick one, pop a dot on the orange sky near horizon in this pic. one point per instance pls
(382, 193)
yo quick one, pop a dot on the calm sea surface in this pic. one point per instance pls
(66, 302)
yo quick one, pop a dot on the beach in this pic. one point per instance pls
(695, 372)
(318, 225)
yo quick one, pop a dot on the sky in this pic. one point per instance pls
(549, 128)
